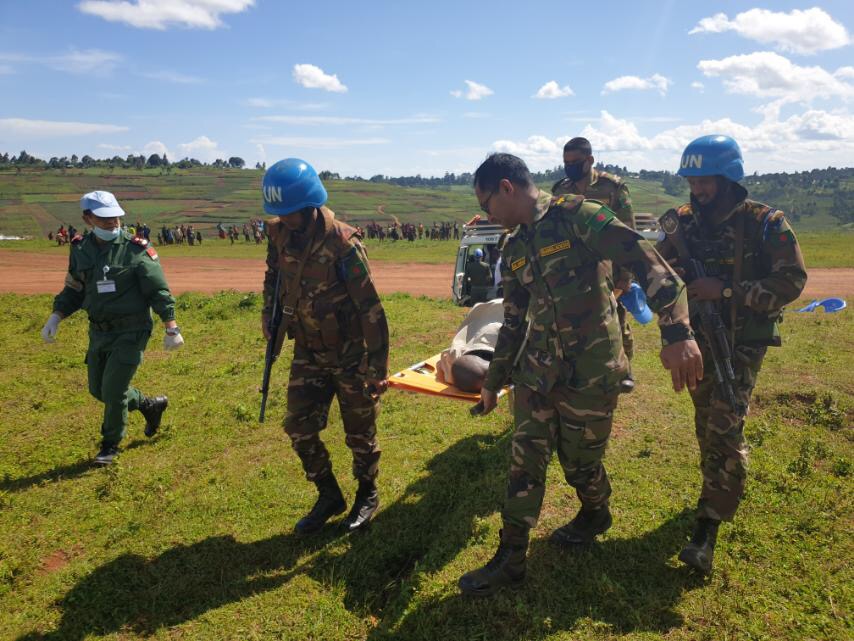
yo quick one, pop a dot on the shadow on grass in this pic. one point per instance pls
(420, 532)
(615, 587)
(63, 472)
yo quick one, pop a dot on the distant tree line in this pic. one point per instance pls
(131, 161)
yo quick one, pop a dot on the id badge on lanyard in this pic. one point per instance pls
(104, 285)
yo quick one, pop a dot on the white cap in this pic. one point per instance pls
(101, 203)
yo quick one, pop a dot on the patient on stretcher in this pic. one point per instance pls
(465, 362)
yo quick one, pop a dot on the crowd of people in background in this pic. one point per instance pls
(410, 231)
(253, 231)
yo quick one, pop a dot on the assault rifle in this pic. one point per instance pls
(711, 324)
(270, 357)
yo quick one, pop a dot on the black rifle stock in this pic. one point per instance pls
(270, 357)
(711, 323)
(712, 326)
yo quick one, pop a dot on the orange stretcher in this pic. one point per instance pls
(421, 378)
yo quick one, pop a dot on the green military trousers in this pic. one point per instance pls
(578, 426)
(112, 360)
(720, 432)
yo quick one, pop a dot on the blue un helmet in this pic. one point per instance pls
(712, 156)
(290, 185)
(478, 253)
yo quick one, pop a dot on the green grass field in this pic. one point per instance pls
(189, 535)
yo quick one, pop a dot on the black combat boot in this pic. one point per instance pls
(582, 529)
(107, 454)
(507, 567)
(329, 503)
(364, 507)
(152, 408)
(700, 550)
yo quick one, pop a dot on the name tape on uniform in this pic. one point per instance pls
(516, 264)
(553, 249)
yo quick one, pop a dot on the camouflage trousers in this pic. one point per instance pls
(578, 426)
(720, 433)
(310, 390)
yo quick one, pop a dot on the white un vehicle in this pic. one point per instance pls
(480, 234)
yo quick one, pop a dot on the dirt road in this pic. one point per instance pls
(35, 273)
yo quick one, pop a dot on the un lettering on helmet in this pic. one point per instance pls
(272, 194)
(692, 161)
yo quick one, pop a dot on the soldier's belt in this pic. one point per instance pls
(121, 323)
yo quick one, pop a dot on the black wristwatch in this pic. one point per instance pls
(173, 331)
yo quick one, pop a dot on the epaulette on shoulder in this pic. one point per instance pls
(612, 177)
(558, 184)
(346, 232)
(78, 238)
(758, 211)
(568, 201)
(685, 210)
(136, 240)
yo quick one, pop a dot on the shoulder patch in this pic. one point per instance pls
(600, 219)
(152, 253)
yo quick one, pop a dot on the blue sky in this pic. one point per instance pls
(404, 88)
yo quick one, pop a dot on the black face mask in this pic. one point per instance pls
(575, 170)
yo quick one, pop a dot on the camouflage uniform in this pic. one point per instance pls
(613, 192)
(557, 274)
(772, 275)
(340, 339)
(119, 321)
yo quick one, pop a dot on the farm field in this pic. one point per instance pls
(34, 202)
(189, 535)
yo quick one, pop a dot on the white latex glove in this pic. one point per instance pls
(50, 328)
(172, 342)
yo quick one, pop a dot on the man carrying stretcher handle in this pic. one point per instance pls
(556, 269)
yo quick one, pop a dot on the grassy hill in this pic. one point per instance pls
(34, 202)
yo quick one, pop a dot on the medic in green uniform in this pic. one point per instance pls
(117, 279)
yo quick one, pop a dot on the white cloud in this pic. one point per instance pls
(814, 138)
(202, 148)
(173, 77)
(161, 14)
(268, 103)
(6, 70)
(88, 61)
(699, 86)
(313, 77)
(805, 32)
(552, 90)
(157, 147)
(319, 143)
(109, 147)
(49, 128)
(767, 74)
(476, 91)
(655, 81)
(345, 120)
(475, 115)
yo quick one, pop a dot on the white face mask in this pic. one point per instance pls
(107, 234)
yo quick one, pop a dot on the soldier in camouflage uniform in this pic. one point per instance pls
(584, 179)
(772, 275)
(333, 313)
(568, 362)
(117, 279)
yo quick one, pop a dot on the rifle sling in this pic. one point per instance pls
(738, 259)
